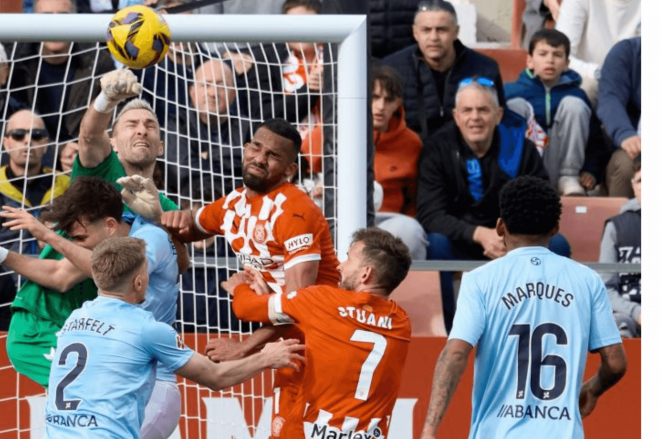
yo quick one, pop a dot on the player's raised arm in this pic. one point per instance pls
(613, 365)
(94, 141)
(228, 373)
(181, 224)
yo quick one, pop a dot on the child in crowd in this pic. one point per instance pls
(558, 111)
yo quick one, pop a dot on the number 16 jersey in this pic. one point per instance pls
(533, 316)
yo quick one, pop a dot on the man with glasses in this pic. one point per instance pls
(462, 169)
(24, 183)
(432, 68)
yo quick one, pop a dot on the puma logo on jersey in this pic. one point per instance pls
(299, 215)
(299, 242)
(367, 317)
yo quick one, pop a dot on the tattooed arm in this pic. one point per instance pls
(448, 371)
(613, 364)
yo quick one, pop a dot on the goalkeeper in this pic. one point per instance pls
(38, 312)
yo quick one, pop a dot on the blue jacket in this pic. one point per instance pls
(545, 102)
(620, 90)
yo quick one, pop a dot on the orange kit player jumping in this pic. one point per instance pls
(356, 339)
(273, 227)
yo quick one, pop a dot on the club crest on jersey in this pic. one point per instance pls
(277, 425)
(259, 233)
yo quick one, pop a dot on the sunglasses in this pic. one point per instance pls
(483, 81)
(20, 133)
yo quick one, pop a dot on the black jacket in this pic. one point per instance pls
(445, 200)
(390, 25)
(425, 114)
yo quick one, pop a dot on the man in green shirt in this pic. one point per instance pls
(38, 313)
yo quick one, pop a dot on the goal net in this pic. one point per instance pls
(223, 75)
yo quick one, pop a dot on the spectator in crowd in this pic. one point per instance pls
(622, 243)
(397, 149)
(620, 109)
(282, 80)
(204, 144)
(389, 26)
(593, 27)
(42, 83)
(432, 68)
(166, 84)
(538, 14)
(529, 305)
(560, 108)
(462, 170)
(24, 181)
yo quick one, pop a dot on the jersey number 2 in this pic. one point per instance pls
(371, 363)
(535, 345)
(81, 350)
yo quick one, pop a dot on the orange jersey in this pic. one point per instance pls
(356, 347)
(273, 232)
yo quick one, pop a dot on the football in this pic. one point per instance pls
(138, 37)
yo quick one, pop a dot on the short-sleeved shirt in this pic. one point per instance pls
(273, 232)
(55, 306)
(356, 345)
(533, 316)
(104, 368)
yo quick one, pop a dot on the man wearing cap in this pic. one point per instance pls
(432, 68)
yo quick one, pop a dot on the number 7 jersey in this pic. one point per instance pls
(356, 347)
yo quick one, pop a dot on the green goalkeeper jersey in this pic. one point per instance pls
(55, 306)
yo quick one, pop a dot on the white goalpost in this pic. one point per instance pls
(242, 412)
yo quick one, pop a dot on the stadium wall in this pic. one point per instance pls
(618, 413)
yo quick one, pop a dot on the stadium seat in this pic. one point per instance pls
(419, 295)
(582, 223)
(11, 6)
(511, 61)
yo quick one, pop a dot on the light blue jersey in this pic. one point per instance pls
(533, 316)
(104, 367)
(163, 290)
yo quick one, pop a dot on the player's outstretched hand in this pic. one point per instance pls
(22, 220)
(283, 354)
(141, 195)
(235, 280)
(224, 349)
(116, 86)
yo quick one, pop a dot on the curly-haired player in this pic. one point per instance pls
(533, 315)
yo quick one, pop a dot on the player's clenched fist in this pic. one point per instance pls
(116, 86)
